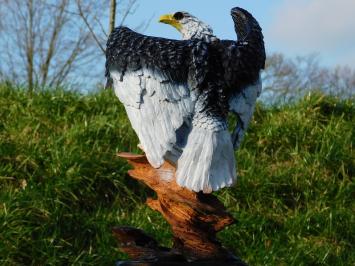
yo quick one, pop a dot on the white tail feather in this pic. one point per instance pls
(207, 163)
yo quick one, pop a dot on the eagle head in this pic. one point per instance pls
(189, 26)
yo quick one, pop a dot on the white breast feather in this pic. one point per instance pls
(157, 108)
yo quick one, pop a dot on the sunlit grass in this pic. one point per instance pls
(62, 188)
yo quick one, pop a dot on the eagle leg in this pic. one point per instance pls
(238, 132)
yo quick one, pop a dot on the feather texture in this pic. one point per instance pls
(207, 162)
(156, 109)
(242, 104)
(177, 95)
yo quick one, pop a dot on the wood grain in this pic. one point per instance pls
(195, 219)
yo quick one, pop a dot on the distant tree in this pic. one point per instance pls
(42, 42)
(54, 42)
(112, 21)
(286, 79)
(123, 9)
(341, 82)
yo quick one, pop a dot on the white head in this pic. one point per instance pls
(189, 26)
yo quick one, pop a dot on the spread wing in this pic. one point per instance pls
(169, 95)
(242, 104)
(157, 80)
(177, 94)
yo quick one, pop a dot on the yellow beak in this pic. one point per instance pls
(169, 19)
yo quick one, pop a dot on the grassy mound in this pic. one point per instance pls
(62, 187)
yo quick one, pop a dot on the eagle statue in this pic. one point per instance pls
(178, 93)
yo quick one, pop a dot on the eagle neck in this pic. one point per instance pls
(200, 32)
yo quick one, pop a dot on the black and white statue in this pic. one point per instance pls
(177, 94)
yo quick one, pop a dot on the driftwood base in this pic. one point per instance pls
(195, 219)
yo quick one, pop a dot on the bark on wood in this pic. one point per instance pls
(195, 219)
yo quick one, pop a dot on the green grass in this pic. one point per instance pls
(62, 188)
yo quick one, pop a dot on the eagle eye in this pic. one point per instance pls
(178, 15)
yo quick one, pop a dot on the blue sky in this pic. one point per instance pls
(302, 27)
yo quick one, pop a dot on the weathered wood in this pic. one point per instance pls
(195, 219)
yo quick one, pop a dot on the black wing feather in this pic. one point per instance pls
(181, 61)
(217, 69)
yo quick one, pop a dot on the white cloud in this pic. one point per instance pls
(324, 26)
